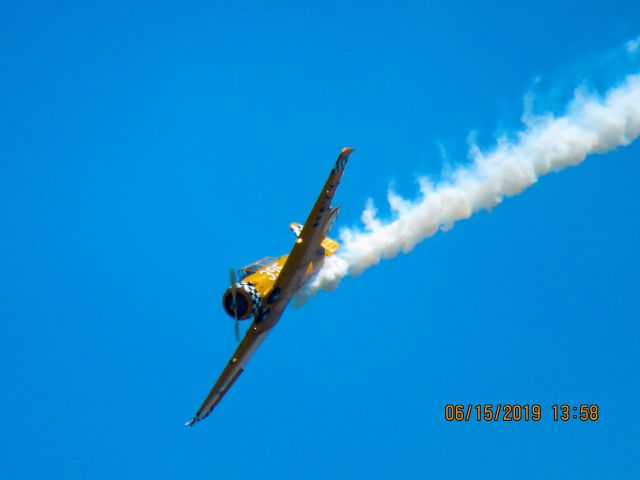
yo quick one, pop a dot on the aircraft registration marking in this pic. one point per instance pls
(272, 271)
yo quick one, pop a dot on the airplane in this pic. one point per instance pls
(263, 289)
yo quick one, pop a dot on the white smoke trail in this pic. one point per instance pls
(590, 124)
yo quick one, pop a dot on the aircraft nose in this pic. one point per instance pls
(241, 307)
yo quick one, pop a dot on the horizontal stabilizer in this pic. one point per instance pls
(296, 228)
(330, 246)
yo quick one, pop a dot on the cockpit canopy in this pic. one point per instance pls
(254, 267)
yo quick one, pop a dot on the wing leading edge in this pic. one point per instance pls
(313, 231)
(231, 372)
(289, 281)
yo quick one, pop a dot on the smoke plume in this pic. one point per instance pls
(548, 143)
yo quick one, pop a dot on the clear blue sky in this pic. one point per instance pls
(148, 147)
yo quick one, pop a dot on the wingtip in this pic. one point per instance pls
(346, 150)
(190, 423)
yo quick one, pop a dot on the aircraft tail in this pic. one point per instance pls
(330, 245)
(296, 228)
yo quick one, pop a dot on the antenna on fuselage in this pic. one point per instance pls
(234, 305)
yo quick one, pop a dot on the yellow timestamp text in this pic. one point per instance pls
(515, 412)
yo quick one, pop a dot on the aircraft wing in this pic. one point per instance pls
(289, 281)
(249, 344)
(313, 232)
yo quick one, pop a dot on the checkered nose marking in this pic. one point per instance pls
(256, 301)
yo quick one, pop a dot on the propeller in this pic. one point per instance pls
(234, 305)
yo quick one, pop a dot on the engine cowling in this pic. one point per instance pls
(248, 301)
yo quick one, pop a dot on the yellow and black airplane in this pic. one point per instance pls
(265, 287)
